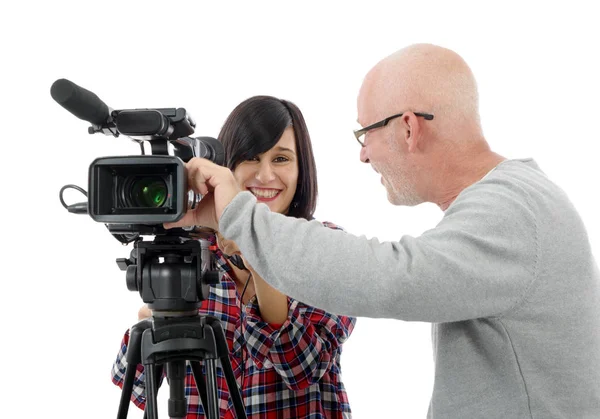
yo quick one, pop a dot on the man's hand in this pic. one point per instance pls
(218, 187)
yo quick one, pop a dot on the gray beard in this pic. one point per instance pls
(404, 196)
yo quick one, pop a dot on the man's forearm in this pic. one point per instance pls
(460, 270)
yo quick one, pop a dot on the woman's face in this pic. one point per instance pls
(273, 175)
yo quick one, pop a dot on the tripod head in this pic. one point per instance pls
(171, 274)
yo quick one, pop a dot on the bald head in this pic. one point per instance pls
(424, 160)
(424, 78)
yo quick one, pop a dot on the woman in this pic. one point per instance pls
(285, 354)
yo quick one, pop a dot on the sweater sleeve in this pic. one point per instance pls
(479, 261)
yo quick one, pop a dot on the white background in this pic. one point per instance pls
(65, 304)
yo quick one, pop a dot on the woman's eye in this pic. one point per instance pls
(281, 159)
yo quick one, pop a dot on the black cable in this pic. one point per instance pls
(80, 207)
(242, 327)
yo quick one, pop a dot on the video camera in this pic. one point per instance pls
(139, 189)
(133, 196)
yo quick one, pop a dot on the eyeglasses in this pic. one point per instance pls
(361, 132)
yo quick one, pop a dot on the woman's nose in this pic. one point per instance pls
(265, 173)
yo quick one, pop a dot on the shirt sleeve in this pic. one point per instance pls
(138, 393)
(303, 349)
(479, 261)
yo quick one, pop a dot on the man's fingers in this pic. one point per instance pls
(212, 181)
(200, 173)
(188, 219)
(196, 179)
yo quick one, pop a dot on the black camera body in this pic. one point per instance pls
(130, 193)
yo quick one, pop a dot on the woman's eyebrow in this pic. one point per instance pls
(280, 148)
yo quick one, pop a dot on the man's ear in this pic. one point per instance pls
(412, 134)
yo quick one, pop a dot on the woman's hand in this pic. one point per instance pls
(227, 246)
(144, 312)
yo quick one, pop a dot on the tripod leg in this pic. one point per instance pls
(200, 383)
(158, 371)
(133, 357)
(151, 392)
(232, 385)
(234, 390)
(212, 410)
(176, 372)
(126, 391)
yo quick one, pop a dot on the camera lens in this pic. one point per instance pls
(149, 192)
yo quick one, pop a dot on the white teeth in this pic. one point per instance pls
(262, 193)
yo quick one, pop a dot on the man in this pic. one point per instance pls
(507, 277)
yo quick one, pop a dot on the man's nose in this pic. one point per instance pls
(363, 155)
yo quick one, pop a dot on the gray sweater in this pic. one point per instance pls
(507, 279)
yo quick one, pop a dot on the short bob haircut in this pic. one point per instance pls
(255, 126)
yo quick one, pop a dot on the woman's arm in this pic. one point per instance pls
(303, 349)
(273, 305)
(302, 343)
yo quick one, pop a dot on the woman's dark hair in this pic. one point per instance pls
(255, 126)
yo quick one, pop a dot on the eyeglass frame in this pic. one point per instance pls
(359, 132)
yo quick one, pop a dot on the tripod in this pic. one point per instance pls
(176, 333)
(172, 342)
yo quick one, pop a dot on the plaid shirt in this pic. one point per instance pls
(289, 371)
